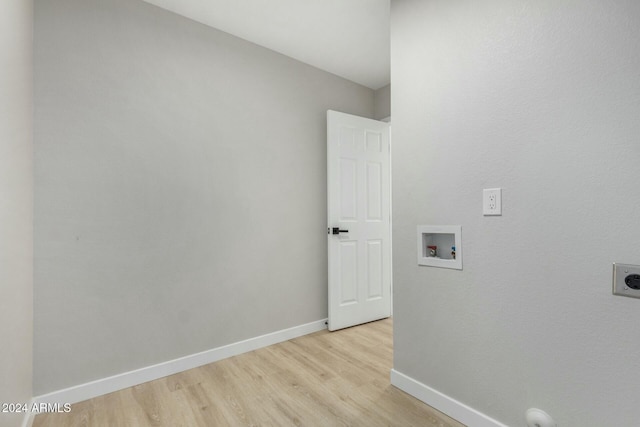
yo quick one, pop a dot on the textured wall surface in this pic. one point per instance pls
(180, 188)
(542, 99)
(16, 205)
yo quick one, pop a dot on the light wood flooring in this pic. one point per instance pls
(322, 379)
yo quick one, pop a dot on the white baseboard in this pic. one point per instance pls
(27, 421)
(443, 403)
(129, 379)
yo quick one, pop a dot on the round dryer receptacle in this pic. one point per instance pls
(538, 418)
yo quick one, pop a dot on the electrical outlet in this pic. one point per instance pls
(626, 280)
(492, 201)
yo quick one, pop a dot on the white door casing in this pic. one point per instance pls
(359, 200)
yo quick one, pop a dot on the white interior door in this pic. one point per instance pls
(359, 214)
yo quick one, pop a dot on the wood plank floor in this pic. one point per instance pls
(322, 379)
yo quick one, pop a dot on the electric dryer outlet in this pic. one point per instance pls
(626, 280)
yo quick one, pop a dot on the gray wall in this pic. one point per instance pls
(541, 98)
(16, 205)
(180, 188)
(382, 103)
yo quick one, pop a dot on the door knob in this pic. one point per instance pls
(336, 230)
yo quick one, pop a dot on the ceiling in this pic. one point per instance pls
(349, 38)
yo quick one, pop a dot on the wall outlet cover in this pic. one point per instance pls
(626, 280)
(492, 201)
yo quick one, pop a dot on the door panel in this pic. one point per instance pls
(348, 190)
(374, 142)
(374, 269)
(348, 272)
(374, 192)
(358, 169)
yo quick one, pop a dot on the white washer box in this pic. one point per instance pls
(445, 238)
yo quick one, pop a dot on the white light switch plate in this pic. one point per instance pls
(492, 201)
